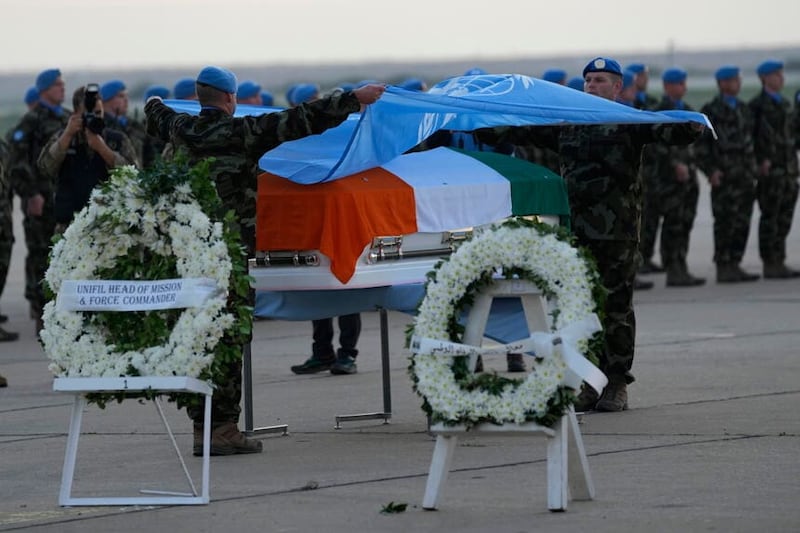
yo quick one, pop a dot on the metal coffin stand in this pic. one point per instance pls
(568, 475)
(80, 386)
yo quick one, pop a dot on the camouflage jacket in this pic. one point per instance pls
(649, 101)
(733, 150)
(237, 143)
(27, 140)
(600, 164)
(660, 159)
(5, 192)
(773, 134)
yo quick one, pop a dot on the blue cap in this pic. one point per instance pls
(47, 78)
(602, 64)
(555, 75)
(185, 88)
(31, 95)
(110, 89)
(219, 78)
(769, 66)
(156, 90)
(637, 68)
(674, 75)
(248, 89)
(413, 84)
(627, 78)
(302, 93)
(576, 83)
(475, 71)
(267, 99)
(726, 72)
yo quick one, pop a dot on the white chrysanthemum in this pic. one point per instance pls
(107, 229)
(546, 256)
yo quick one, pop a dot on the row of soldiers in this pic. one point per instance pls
(753, 158)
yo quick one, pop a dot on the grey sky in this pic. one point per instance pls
(137, 33)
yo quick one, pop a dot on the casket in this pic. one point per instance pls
(389, 225)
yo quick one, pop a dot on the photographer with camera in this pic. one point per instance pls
(79, 157)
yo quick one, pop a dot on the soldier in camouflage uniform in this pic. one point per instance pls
(673, 174)
(35, 190)
(730, 164)
(6, 237)
(237, 144)
(775, 147)
(114, 95)
(650, 218)
(600, 164)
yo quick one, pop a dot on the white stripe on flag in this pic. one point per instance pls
(452, 190)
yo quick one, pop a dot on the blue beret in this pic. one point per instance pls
(555, 75)
(413, 84)
(156, 90)
(31, 95)
(576, 83)
(602, 64)
(769, 66)
(475, 71)
(110, 89)
(303, 93)
(219, 78)
(673, 75)
(347, 86)
(726, 72)
(267, 99)
(248, 89)
(637, 68)
(47, 78)
(185, 88)
(627, 78)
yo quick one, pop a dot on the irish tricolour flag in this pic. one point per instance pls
(438, 190)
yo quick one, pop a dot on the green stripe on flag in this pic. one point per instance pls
(535, 190)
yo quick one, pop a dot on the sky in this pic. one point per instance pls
(86, 34)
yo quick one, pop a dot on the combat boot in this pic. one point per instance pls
(615, 395)
(744, 275)
(3, 382)
(587, 399)
(776, 270)
(678, 276)
(226, 439)
(726, 273)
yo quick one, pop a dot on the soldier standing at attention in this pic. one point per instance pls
(641, 77)
(776, 155)
(237, 143)
(600, 164)
(730, 164)
(6, 240)
(34, 189)
(674, 175)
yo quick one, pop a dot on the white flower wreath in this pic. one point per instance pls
(534, 253)
(120, 220)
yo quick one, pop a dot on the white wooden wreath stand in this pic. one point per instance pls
(82, 386)
(568, 475)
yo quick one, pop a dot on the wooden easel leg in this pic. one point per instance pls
(557, 488)
(440, 468)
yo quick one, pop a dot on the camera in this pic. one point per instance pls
(92, 121)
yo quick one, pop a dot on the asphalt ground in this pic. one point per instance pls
(711, 441)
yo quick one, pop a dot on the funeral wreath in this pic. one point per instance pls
(517, 249)
(163, 223)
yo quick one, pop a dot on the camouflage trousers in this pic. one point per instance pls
(651, 219)
(677, 205)
(38, 235)
(6, 244)
(732, 205)
(777, 196)
(617, 262)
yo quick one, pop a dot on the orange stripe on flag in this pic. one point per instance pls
(338, 218)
